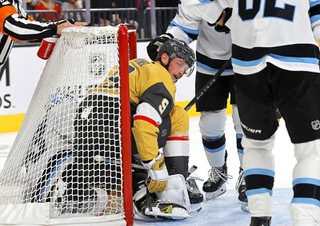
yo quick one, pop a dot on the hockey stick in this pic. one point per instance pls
(207, 85)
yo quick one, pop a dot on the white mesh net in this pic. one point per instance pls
(66, 159)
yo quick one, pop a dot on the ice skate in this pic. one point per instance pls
(195, 195)
(241, 189)
(260, 221)
(216, 184)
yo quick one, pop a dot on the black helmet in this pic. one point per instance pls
(177, 48)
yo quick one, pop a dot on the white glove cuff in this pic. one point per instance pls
(149, 164)
(159, 175)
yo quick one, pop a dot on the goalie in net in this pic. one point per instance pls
(156, 123)
(72, 163)
(60, 170)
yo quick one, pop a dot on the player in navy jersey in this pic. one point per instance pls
(275, 57)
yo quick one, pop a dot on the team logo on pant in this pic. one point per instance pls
(315, 125)
(250, 129)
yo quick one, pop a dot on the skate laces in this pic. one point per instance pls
(216, 173)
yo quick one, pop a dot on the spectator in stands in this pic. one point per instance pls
(115, 20)
(142, 4)
(49, 5)
(13, 17)
(31, 4)
(104, 18)
(71, 5)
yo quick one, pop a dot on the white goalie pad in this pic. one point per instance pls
(176, 191)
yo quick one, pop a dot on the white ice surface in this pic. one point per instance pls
(225, 210)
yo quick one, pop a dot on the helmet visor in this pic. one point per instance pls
(189, 71)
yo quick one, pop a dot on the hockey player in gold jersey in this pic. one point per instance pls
(156, 123)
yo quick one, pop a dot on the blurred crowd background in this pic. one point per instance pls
(151, 17)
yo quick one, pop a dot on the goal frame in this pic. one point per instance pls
(30, 205)
(124, 37)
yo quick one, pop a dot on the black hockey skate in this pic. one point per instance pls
(241, 189)
(216, 184)
(194, 193)
(260, 221)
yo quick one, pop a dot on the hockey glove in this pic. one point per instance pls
(154, 46)
(157, 174)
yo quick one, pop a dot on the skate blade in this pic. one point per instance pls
(213, 195)
(195, 208)
(175, 214)
(244, 207)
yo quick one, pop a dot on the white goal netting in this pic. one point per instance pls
(65, 164)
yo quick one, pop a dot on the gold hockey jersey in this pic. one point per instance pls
(152, 94)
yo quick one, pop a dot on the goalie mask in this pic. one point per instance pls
(178, 48)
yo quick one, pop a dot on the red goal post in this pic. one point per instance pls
(70, 163)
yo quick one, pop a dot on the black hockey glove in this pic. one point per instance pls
(154, 46)
(224, 28)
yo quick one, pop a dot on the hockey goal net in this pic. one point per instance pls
(71, 161)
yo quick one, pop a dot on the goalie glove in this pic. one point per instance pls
(157, 174)
(154, 46)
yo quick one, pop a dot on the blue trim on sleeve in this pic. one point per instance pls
(187, 30)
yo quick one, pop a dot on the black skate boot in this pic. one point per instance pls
(216, 184)
(260, 221)
(241, 189)
(195, 195)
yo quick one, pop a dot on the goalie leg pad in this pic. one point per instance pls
(147, 208)
(176, 191)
